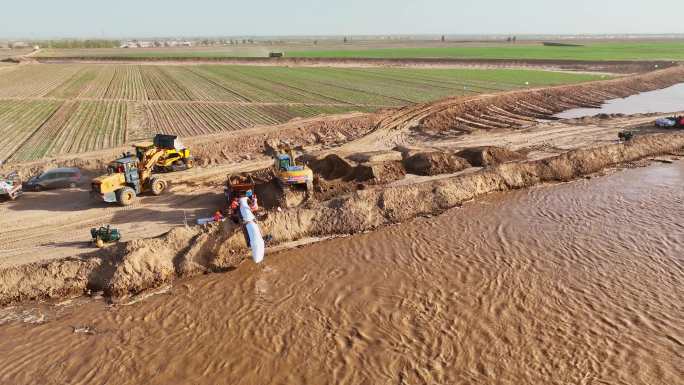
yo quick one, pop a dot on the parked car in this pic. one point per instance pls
(55, 178)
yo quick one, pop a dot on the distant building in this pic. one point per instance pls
(156, 43)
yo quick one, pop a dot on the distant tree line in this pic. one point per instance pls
(97, 43)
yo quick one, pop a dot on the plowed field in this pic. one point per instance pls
(52, 109)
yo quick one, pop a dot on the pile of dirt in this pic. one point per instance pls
(434, 163)
(327, 131)
(380, 172)
(375, 167)
(489, 156)
(376, 156)
(331, 167)
(127, 267)
(336, 175)
(56, 279)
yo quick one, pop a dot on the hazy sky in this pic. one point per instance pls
(121, 18)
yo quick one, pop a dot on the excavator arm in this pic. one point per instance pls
(149, 160)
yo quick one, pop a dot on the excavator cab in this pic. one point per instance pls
(129, 166)
(289, 173)
(284, 162)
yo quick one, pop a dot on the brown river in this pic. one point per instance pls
(578, 283)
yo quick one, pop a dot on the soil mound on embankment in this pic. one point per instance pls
(489, 156)
(434, 163)
(137, 265)
(377, 167)
(336, 175)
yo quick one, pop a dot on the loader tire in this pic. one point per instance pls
(125, 196)
(157, 186)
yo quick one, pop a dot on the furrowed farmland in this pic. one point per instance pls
(52, 109)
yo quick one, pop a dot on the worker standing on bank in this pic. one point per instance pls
(218, 217)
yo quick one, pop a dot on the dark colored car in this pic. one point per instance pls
(55, 178)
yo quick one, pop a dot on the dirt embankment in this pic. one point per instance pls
(137, 265)
(229, 147)
(612, 66)
(522, 108)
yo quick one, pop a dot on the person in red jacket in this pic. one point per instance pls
(234, 210)
(218, 217)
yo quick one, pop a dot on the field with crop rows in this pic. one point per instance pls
(52, 109)
(522, 50)
(672, 50)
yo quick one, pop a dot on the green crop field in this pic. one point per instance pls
(596, 51)
(52, 109)
(654, 50)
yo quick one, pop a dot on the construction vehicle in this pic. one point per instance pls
(104, 235)
(11, 186)
(237, 186)
(128, 177)
(625, 136)
(288, 172)
(176, 157)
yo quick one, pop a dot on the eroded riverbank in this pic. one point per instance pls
(132, 267)
(573, 283)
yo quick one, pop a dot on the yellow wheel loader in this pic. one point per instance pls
(128, 177)
(175, 157)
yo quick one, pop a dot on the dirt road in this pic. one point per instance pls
(56, 223)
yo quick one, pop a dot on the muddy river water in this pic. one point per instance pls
(579, 283)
